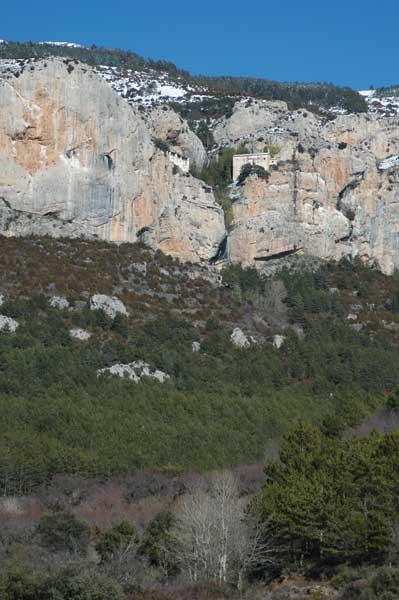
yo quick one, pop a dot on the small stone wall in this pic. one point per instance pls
(180, 161)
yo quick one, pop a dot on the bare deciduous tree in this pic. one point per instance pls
(215, 538)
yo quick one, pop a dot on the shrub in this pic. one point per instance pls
(249, 169)
(272, 149)
(66, 585)
(161, 145)
(115, 540)
(219, 173)
(63, 532)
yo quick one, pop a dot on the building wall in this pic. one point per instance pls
(239, 160)
(180, 161)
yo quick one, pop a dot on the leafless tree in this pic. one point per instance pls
(215, 538)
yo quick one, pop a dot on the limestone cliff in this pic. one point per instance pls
(77, 160)
(334, 190)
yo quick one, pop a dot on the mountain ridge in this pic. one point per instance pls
(314, 95)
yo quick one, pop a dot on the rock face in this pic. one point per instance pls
(77, 160)
(334, 191)
(109, 304)
(168, 127)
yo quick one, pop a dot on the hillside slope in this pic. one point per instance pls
(226, 398)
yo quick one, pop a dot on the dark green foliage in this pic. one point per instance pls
(63, 532)
(297, 95)
(158, 540)
(245, 282)
(83, 587)
(219, 174)
(332, 501)
(161, 145)
(21, 583)
(93, 56)
(120, 325)
(392, 401)
(249, 169)
(116, 540)
(390, 90)
(221, 406)
(384, 585)
(367, 583)
(204, 133)
(393, 304)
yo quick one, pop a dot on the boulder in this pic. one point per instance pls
(278, 341)
(111, 305)
(8, 324)
(80, 334)
(59, 302)
(240, 340)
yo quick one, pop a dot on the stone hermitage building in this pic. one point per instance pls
(262, 159)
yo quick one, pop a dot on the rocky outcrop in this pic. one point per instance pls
(241, 340)
(109, 304)
(77, 160)
(8, 324)
(59, 302)
(278, 341)
(80, 334)
(333, 192)
(171, 129)
(135, 371)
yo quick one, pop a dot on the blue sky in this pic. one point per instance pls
(351, 42)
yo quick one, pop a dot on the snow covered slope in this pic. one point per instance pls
(150, 87)
(386, 106)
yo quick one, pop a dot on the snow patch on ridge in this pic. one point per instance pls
(64, 44)
(150, 87)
